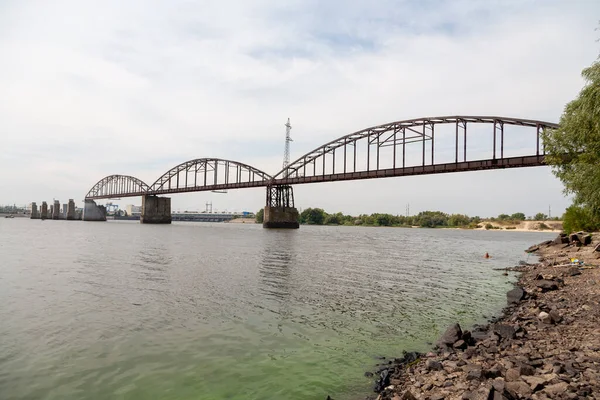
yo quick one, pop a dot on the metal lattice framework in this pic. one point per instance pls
(320, 165)
(116, 185)
(209, 174)
(383, 154)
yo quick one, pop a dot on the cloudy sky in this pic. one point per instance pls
(93, 88)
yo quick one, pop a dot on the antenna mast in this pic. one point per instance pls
(288, 139)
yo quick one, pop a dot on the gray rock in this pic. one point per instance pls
(547, 285)
(433, 365)
(461, 344)
(556, 389)
(573, 237)
(451, 336)
(585, 239)
(475, 373)
(535, 383)
(545, 317)
(408, 396)
(499, 384)
(505, 331)
(514, 296)
(572, 271)
(518, 388)
(512, 374)
(555, 316)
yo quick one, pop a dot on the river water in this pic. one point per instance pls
(120, 310)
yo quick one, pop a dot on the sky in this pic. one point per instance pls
(94, 88)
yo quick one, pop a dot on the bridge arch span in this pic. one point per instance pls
(320, 164)
(117, 185)
(209, 174)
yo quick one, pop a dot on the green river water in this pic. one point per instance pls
(120, 310)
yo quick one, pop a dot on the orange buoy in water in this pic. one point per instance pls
(487, 255)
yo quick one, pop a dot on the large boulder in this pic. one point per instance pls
(586, 240)
(514, 296)
(451, 336)
(562, 238)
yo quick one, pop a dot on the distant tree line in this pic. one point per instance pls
(425, 219)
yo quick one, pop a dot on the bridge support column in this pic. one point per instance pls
(156, 210)
(93, 212)
(280, 211)
(56, 210)
(34, 211)
(44, 210)
(71, 210)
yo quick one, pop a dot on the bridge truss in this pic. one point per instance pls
(402, 148)
(339, 159)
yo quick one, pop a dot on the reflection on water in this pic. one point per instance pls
(230, 311)
(276, 263)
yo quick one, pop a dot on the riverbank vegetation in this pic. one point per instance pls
(424, 219)
(573, 150)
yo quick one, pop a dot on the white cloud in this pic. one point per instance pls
(94, 88)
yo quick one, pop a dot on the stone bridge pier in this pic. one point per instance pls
(93, 212)
(155, 210)
(44, 210)
(279, 210)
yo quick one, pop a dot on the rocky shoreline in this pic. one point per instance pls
(545, 345)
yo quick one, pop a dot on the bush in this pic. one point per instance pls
(579, 219)
(260, 215)
(489, 226)
(511, 227)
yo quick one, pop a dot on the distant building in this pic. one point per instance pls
(133, 210)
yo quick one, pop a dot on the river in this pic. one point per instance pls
(120, 310)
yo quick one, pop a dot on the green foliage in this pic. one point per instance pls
(573, 149)
(489, 226)
(431, 219)
(540, 217)
(503, 217)
(260, 216)
(459, 220)
(313, 216)
(334, 219)
(580, 219)
(518, 216)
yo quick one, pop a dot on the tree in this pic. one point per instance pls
(458, 220)
(579, 219)
(503, 217)
(518, 216)
(573, 149)
(313, 216)
(260, 215)
(540, 217)
(334, 219)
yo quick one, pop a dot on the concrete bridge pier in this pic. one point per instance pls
(44, 210)
(155, 210)
(56, 210)
(34, 211)
(71, 210)
(92, 211)
(280, 211)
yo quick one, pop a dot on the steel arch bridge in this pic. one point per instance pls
(401, 148)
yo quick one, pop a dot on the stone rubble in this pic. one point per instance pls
(546, 345)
